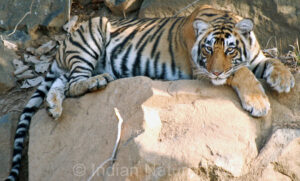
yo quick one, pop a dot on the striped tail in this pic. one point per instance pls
(24, 123)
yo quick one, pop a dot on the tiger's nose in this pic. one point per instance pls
(216, 73)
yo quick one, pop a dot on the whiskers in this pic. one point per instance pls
(235, 68)
(201, 72)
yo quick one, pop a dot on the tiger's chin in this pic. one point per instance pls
(219, 81)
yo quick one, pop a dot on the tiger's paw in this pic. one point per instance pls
(279, 77)
(54, 103)
(55, 111)
(257, 104)
(99, 81)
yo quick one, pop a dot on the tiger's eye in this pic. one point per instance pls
(208, 48)
(229, 49)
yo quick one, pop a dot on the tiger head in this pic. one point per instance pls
(220, 48)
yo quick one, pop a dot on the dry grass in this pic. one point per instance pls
(291, 58)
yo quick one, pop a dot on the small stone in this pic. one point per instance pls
(17, 63)
(10, 45)
(21, 69)
(30, 50)
(68, 26)
(45, 48)
(41, 67)
(32, 82)
(28, 74)
(31, 59)
(45, 58)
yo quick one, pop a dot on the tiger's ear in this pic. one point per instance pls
(200, 26)
(244, 26)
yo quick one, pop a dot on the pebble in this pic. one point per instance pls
(28, 74)
(31, 59)
(32, 82)
(41, 67)
(21, 69)
(45, 48)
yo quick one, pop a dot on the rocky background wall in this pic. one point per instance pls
(172, 130)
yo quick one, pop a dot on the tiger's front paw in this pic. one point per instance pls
(257, 104)
(279, 77)
(99, 81)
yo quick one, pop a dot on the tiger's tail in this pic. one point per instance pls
(24, 122)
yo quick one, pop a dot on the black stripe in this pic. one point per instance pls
(208, 14)
(250, 40)
(29, 110)
(170, 38)
(136, 69)
(49, 79)
(148, 31)
(264, 69)
(124, 67)
(255, 68)
(156, 64)
(159, 28)
(83, 38)
(117, 51)
(83, 61)
(76, 44)
(92, 35)
(40, 93)
(254, 58)
(14, 174)
(147, 71)
(79, 69)
(163, 73)
(155, 45)
(244, 50)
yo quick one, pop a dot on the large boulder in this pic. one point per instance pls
(121, 7)
(7, 129)
(185, 129)
(276, 21)
(7, 80)
(27, 15)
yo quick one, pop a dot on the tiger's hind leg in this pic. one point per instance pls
(55, 96)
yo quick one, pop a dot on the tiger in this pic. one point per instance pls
(214, 44)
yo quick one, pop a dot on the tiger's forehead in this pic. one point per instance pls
(224, 38)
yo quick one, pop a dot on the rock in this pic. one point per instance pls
(31, 59)
(288, 162)
(42, 67)
(28, 74)
(21, 70)
(275, 21)
(184, 174)
(32, 82)
(121, 7)
(45, 48)
(46, 13)
(172, 129)
(7, 132)
(7, 80)
(85, 2)
(16, 38)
